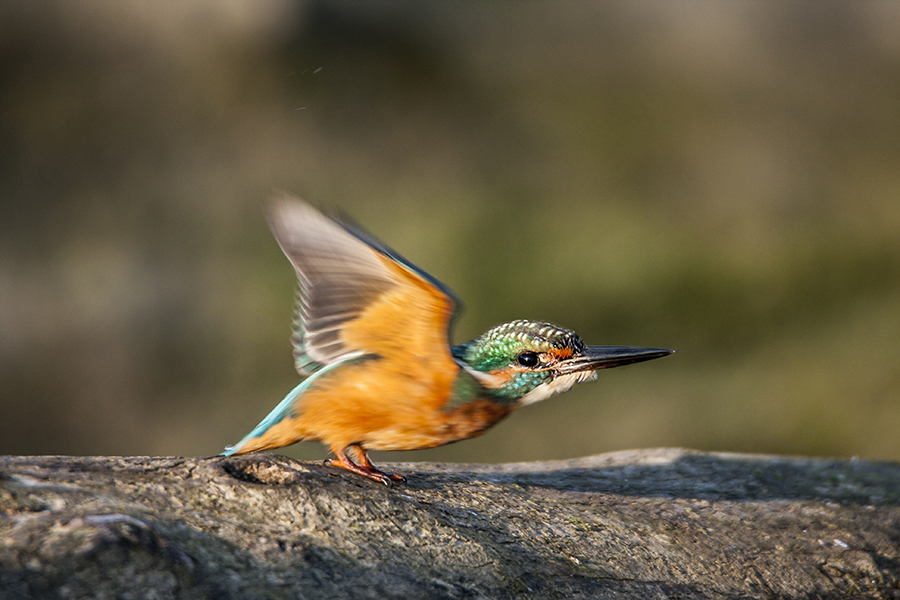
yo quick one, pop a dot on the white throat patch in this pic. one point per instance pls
(555, 386)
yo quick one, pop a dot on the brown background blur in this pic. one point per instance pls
(718, 177)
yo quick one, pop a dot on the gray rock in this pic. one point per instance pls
(644, 524)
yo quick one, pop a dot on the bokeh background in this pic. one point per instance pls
(718, 177)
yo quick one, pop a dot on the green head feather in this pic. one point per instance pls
(500, 349)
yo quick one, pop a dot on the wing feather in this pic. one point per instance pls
(356, 295)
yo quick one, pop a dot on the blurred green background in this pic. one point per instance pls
(718, 177)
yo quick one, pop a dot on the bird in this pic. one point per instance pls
(371, 337)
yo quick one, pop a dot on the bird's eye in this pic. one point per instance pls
(528, 359)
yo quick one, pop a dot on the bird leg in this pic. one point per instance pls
(365, 466)
(363, 459)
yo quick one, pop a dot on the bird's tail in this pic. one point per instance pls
(273, 431)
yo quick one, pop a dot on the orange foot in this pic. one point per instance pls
(365, 466)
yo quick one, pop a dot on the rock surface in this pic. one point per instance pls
(644, 524)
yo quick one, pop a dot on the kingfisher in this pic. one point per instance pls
(371, 338)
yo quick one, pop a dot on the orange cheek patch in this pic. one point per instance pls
(562, 353)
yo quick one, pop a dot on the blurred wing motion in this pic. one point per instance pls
(356, 296)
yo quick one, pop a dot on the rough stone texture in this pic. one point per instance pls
(646, 524)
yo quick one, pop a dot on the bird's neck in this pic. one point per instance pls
(469, 386)
(471, 408)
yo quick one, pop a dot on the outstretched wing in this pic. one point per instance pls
(357, 296)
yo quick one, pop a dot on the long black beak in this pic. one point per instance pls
(606, 357)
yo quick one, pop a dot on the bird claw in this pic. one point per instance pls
(381, 478)
(369, 473)
(387, 479)
(392, 477)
